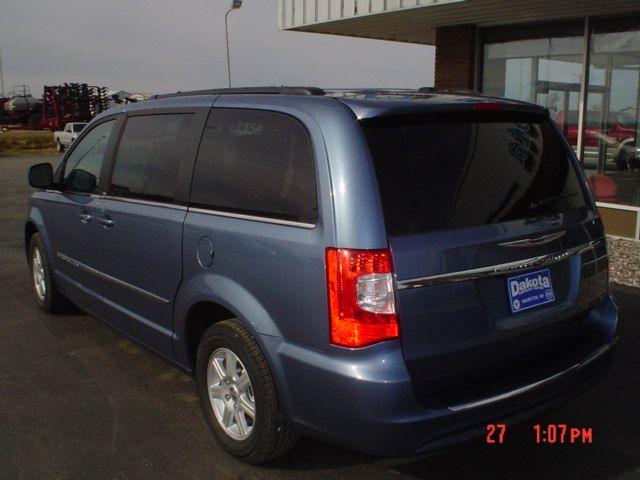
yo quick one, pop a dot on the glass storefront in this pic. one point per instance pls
(544, 64)
(610, 158)
(545, 71)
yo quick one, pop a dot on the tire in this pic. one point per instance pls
(266, 435)
(626, 157)
(620, 161)
(59, 146)
(45, 291)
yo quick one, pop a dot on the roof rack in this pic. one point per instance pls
(459, 91)
(247, 90)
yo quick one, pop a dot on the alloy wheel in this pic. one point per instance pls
(38, 275)
(231, 394)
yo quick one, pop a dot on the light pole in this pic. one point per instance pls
(1, 75)
(235, 5)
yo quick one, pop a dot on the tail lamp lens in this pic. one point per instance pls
(360, 287)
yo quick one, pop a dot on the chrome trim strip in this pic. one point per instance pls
(140, 202)
(133, 287)
(493, 270)
(252, 218)
(518, 391)
(104, 276)
(532, 242)
(207, 211)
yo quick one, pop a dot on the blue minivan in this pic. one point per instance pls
(387, 271)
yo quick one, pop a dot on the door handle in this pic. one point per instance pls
(106, 221)
(85, 217)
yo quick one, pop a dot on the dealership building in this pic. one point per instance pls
(578, 58)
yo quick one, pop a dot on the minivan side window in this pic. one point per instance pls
(149, 155)
(256, 162)
(82, 167)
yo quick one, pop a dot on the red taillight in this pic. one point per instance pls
(487, 106)
(361, 294)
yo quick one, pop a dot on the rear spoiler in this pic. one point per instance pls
(472, 113)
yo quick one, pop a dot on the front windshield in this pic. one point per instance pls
(626, 120)
(77, 127)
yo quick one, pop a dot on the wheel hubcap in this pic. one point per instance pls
(38, 274)
(231, 394)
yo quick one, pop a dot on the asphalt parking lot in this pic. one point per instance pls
(77, 400)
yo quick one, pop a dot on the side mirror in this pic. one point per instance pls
(41, 175)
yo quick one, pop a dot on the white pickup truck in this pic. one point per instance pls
(66, 137)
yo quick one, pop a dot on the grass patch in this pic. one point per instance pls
(21, 142)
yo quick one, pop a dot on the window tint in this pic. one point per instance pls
(149, 156)
(82, 167)
(435, 176)
(257, 163)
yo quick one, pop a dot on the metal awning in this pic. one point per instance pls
(415, 21)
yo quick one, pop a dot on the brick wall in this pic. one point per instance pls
(455, 57)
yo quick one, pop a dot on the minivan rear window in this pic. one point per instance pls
(469, 171)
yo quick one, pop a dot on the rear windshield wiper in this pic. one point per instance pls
(549, 200)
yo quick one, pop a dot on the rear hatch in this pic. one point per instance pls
(497, 249)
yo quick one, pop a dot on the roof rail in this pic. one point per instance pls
(247, 90)
(460, 91)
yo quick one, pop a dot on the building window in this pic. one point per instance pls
(611, 159)
(540, 65)
(543, 64)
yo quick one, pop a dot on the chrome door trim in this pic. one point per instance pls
(104, 276)
(254, 218)
(532, 242)
(207, 211)
(519, 391)
(499, 269)
(140, 202)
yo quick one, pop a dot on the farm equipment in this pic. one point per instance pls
(4, 115)
(20, 108)
(60, 104)
(71, 102)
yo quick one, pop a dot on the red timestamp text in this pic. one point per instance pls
(495, 433)
(551, 434)
(555, 433)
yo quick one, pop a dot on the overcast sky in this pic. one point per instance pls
(167, 45)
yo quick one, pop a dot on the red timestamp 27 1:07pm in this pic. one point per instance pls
(552, 434)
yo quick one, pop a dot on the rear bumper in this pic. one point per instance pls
(364, 400)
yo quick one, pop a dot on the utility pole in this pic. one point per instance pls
(1, 74)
